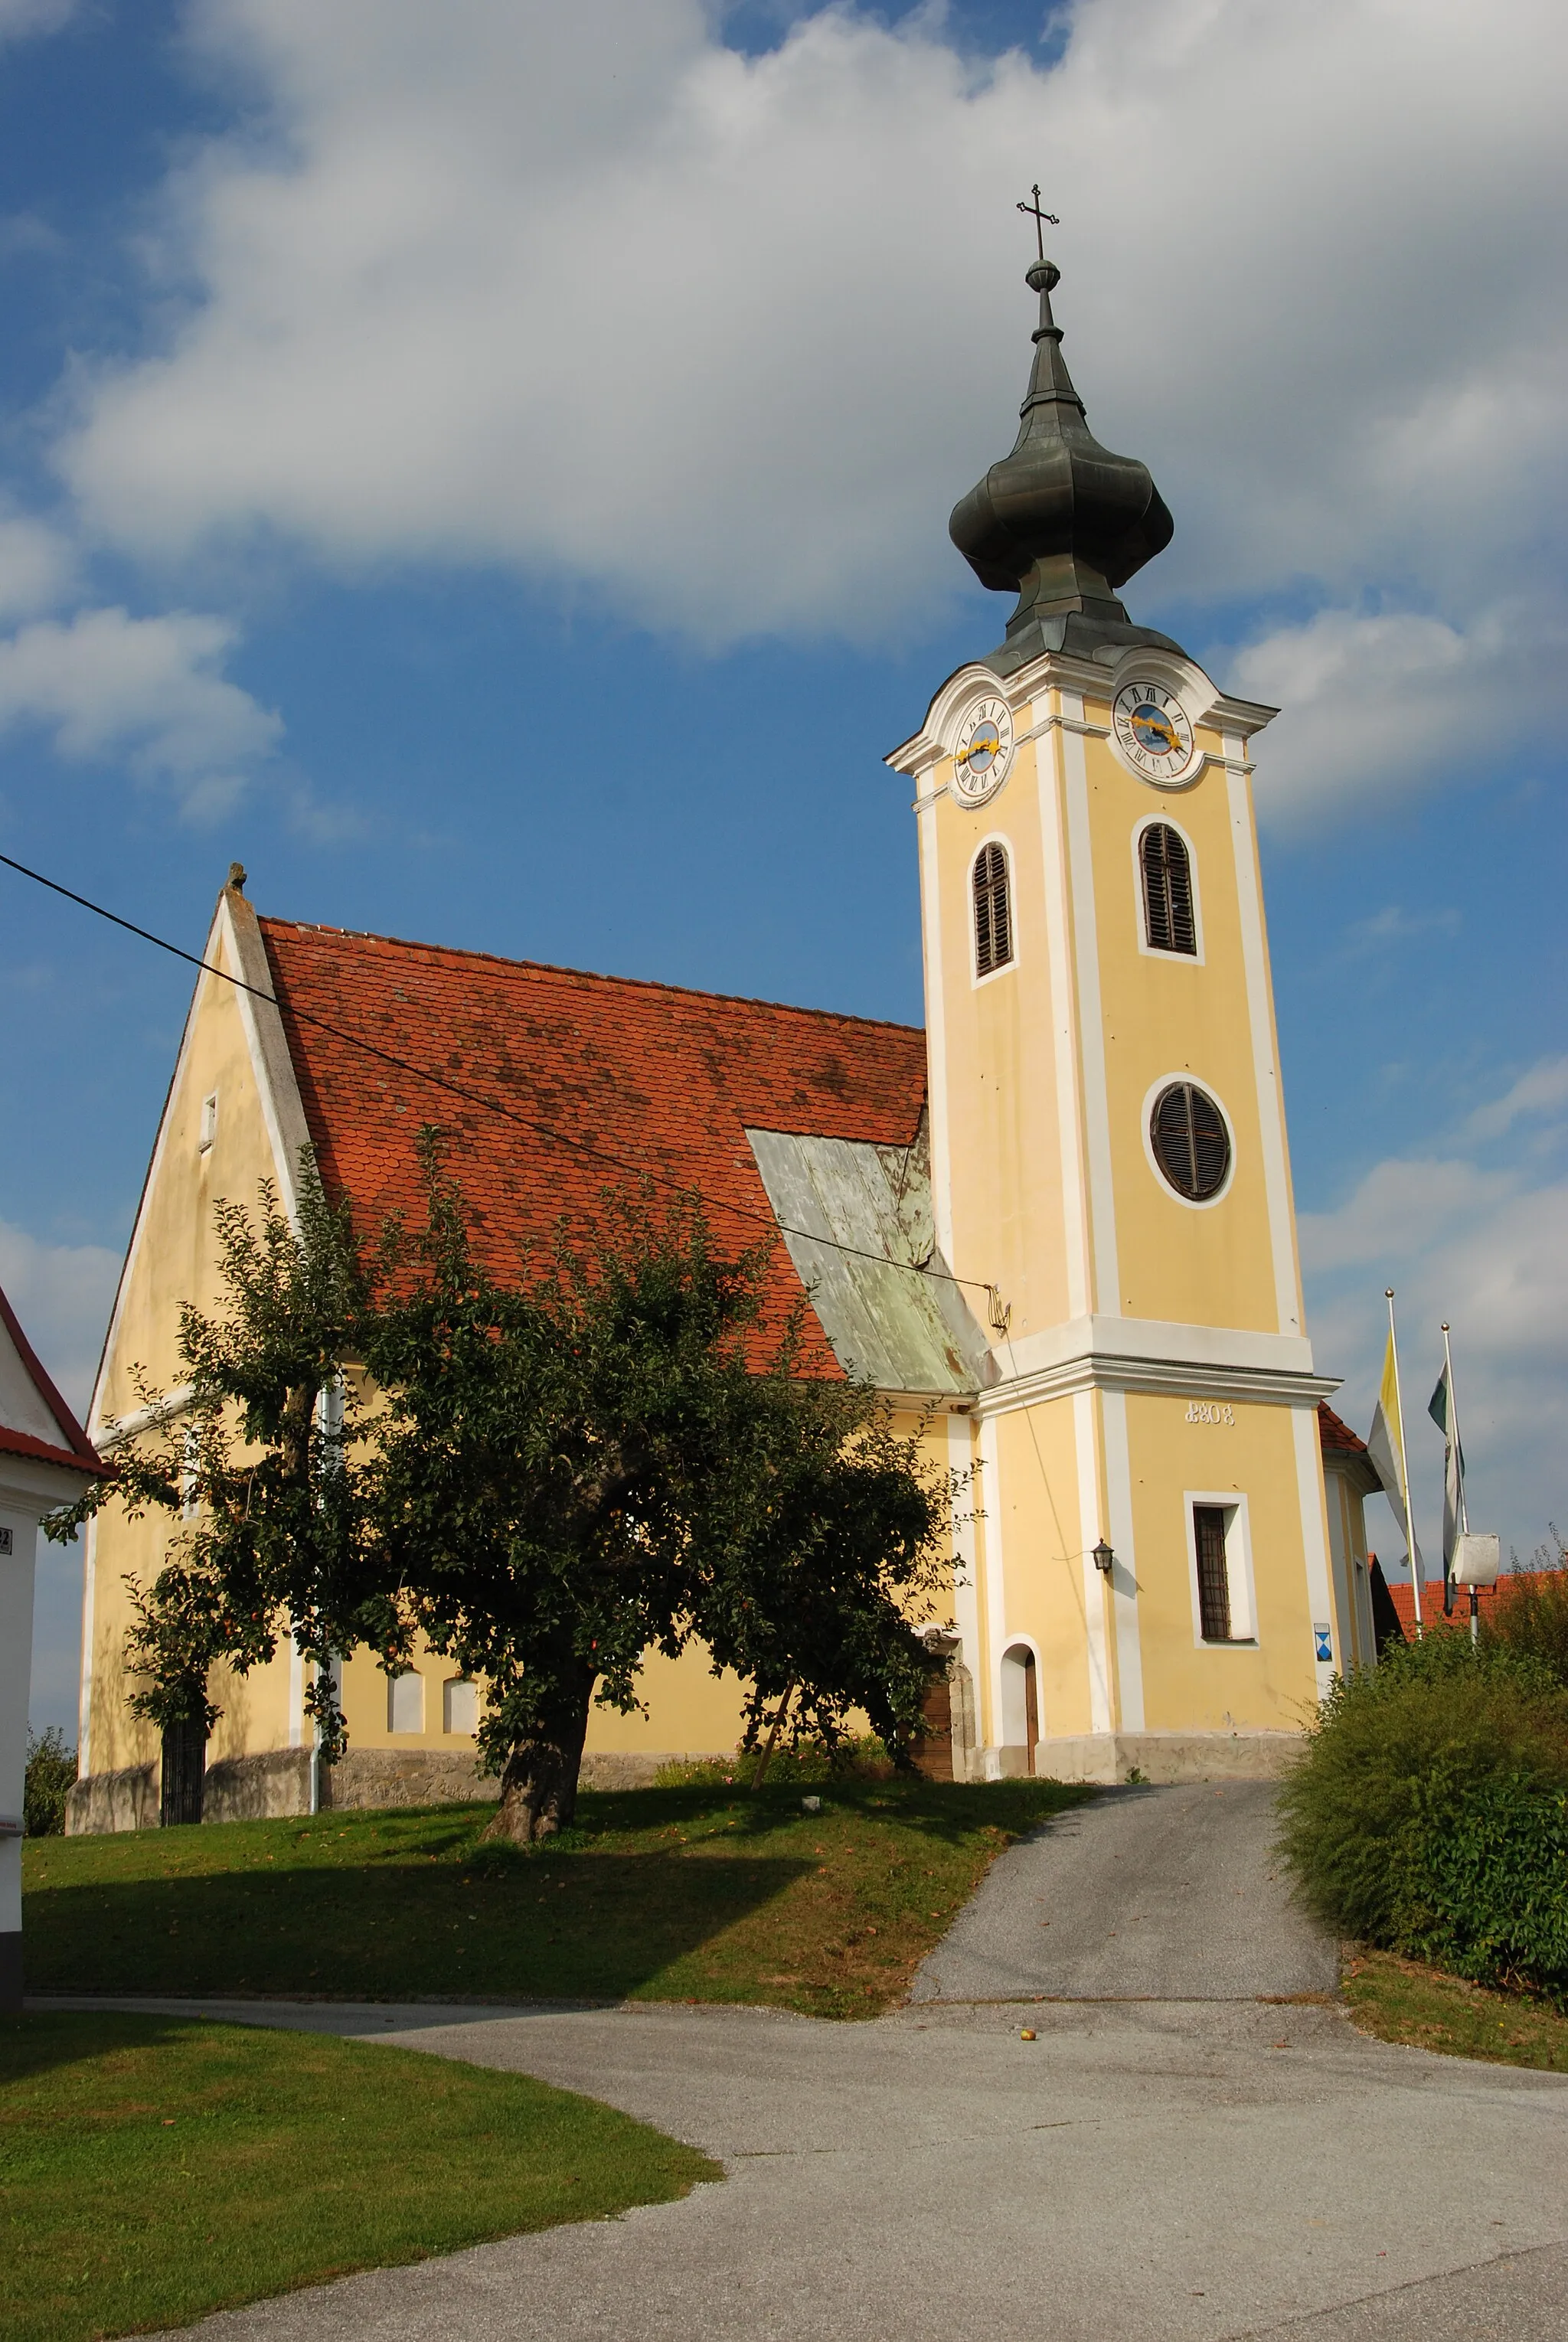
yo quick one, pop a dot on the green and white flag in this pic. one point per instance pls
(1446, 1415)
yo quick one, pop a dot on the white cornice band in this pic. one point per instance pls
(1164, 1377)
(109, 1435)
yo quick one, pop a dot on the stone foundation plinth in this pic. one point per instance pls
(277, 1781)
(127, 1800)
(1107, 1756)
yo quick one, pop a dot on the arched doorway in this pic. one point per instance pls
(1019, 1709)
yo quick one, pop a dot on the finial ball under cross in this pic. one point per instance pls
(1039, 219)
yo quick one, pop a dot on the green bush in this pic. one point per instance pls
(1427, 1813)
(51, 1775)
(1530, 1611)
(805, 1763)
(1490, 1879)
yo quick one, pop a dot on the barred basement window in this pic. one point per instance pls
(993, 910)
(1168, 922)
(1190, 1142)
(1213, 1573)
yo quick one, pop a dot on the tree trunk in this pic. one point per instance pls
(539, 1785)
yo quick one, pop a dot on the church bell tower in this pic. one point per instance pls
(1147, 1581)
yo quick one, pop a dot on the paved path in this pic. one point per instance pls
(1156, 1894)
(1192, 2170)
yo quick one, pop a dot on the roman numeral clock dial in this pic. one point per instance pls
(984, 752)
(1153, 732)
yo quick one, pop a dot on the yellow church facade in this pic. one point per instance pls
(1057, 1228)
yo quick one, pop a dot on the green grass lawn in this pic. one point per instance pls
(658, 1894)
(1400, 2000)
(153, 2169)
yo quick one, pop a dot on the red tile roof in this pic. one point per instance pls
(1334, 1434)
(610, 1079)
(75, 1448)
(1431, 1599)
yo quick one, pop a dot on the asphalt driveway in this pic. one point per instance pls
(1174, 2165)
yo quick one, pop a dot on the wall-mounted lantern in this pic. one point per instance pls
(1103, 1558)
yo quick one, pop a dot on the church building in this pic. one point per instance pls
(1056, 1227)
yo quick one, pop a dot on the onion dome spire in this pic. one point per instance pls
(1061, 521)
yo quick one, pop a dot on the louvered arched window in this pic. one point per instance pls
(1190, 1142)
(993, 909)
(1168, 922)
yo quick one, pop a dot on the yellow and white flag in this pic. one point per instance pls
(1386, 1446)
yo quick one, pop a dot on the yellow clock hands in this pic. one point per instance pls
(1154, 723)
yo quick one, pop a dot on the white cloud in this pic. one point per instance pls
(1372, 707)
(36, 567)
(1543, 1090)
(1395, 924)
(63, 1294)
(582, 292)
(1487, 1250)
(108, 686)
(20, 17)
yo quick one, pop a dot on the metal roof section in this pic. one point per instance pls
(900, 1331)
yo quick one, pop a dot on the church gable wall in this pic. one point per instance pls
(173, 1259)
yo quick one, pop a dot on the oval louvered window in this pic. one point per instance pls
(993, 910)
(1191, 1145)
(1168, 920)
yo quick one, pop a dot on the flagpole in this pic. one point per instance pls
(1405, 1468)
(1459, 1475)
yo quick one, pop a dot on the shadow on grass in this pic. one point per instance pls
(599, 1925)
(949, 1812)
(47, 2041)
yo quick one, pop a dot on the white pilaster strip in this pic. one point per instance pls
(936, 1033)
(1107, 1299)
(1051, 785)
(85, 1690)
(1125, 1572)
(965, 1562)
(1093, 1595)
(1265, 1064)
(994, 1591)
(1315, 1545)
(296, 1695)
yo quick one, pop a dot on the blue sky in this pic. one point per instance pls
(486, 466)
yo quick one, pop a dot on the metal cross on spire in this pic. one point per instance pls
(1039, 219)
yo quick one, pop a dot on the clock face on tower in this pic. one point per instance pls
(984, 752)
(1153, 732)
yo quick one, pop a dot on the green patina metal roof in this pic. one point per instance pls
(856, 1218)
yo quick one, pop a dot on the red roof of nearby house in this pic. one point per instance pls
(1334, 1434)
(604, 1080)
(1431, 1598)
(73, 1447)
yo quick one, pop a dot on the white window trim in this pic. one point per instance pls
(208, 1130)
(1238, 1568)
(404, 1732)
(1199, 1082)
(993, 837)
(1147, 949)
(452, 1731)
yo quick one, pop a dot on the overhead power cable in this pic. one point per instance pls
(549, 1131)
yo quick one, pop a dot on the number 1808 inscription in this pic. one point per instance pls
(1207, 1410)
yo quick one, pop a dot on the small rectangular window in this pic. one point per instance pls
(405, 1702)
(209, 1129)
(1210, 1525)
(462, 1702)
